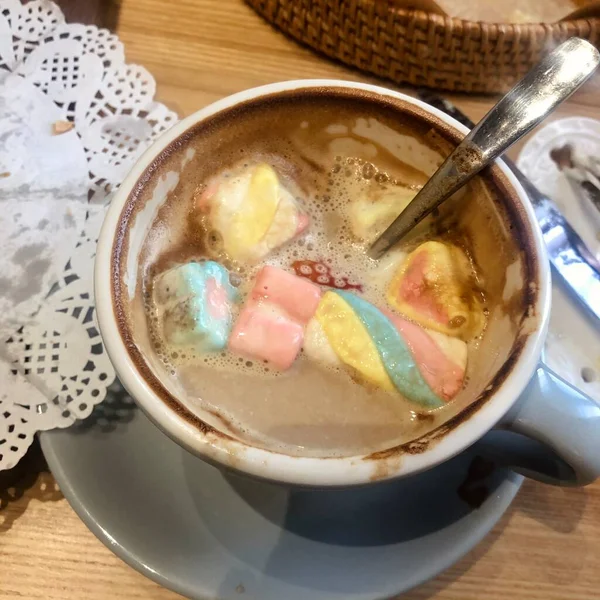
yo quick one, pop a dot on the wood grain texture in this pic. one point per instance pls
(545, 548)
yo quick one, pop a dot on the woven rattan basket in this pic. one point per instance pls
(419, 48)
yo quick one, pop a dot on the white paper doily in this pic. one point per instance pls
(54, 189)
(573, 344)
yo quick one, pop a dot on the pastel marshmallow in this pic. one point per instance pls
(317, 347)
(252, 211)
(350, 340)
(435, 286)
(193, 303)
(385, 350)
(262, 332)
(297, 297)
(374, 210)
(271, 324)
(442, 360)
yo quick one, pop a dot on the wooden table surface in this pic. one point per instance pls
(547, 547)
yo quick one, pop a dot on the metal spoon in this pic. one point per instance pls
(548, 84)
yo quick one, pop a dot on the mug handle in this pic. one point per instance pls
(552, 433)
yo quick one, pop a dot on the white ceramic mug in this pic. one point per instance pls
(525, 397)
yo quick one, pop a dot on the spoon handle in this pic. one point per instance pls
(548, 84)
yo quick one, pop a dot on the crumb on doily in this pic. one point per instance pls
(59, 127)
(5, 174)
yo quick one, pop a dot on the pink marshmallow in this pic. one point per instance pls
(303, 223)
(443, 376)
(296, 296)
(271, 324)
(414, 291)
(203, 202)
(217, 299)
(264, 333)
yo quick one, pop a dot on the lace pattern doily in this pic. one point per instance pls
(73, 119)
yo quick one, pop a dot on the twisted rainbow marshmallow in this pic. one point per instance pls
(387, 351)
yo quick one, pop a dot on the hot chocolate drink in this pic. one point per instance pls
(254, 300)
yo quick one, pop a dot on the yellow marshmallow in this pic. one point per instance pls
(446, 280)
(371, 213)
(257, 211)
(350, 340)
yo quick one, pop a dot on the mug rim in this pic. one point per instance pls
(220, 448)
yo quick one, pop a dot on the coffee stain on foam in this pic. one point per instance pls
(189, 154)
(146, 217)
(352, 147)
(142, 223)
(530, 322)
(334, 129)
(413, 151)
(514, 280)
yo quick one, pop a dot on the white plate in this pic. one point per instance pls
(573, 345)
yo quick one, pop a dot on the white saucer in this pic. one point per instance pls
(211, 535)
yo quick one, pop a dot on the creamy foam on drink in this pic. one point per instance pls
(347, 166)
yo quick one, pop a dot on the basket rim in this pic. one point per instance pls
(447, 20)
(420, 48)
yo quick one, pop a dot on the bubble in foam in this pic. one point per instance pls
(214, 240)
(369, 170)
